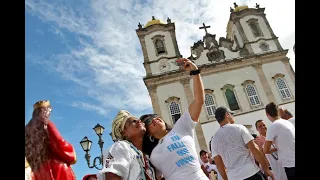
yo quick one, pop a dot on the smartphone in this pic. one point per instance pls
(180, 63)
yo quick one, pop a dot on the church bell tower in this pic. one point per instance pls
(159, 46)
(251, 31)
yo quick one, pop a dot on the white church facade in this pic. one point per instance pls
(244, 71)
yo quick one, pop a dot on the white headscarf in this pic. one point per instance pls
(118, 124)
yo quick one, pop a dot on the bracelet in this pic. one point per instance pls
(195, 72)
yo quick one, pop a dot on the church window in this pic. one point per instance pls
(159, 45)
(210, 106)
(283, 88)
(252, 95)
(255, 28)
(232, 100)
(231, 97)
(174, 111)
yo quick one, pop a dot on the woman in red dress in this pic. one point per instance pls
(48, 154)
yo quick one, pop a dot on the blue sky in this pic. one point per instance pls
(84, 56)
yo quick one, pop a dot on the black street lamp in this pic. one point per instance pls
(86, 146)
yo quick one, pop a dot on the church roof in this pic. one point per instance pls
(240, 8)
(153, 22)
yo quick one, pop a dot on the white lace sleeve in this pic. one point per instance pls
(117, 160)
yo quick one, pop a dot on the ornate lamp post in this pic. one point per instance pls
(86, 146)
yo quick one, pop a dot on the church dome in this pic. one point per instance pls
(153, 22)
(240, 8)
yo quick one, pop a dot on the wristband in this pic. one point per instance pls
(195, 72)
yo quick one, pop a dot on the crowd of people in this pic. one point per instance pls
(147, 148)
(237, 154)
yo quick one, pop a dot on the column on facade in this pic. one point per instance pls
(289, 69)
(265, 85)
(198, 129)
(154, 99)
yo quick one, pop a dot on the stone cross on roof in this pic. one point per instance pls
(205, 28)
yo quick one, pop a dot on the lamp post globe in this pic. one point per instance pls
(86, 144)
(98, 129)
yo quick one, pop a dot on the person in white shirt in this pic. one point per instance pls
(175, 155)
(282, 134)
(125, 159)
(205, 161)
(276, 168)
(232, 146)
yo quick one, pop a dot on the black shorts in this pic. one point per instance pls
(258, 176)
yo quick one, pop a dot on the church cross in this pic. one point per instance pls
(205, 28)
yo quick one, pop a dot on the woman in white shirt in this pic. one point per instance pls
(175, 156)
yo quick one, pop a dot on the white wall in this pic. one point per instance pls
(247, 30)
(272, 69)
(236, 32)
(169, 90)
(256, 49)
(236, 77)
(171, 63)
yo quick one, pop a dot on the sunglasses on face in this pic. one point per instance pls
(147, 119)
(130, 123)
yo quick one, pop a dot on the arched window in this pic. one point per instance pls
(255, 28)
(232, 100)
(160, 46)
(209, 105)
(175, 111)
(252, 95)
(283, 88)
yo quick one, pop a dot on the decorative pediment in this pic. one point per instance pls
(278, 75)
(208, 91)
(215, 55)
(157, 36)
(197, 49)
(226, 43)
(210, 41)
(227, 86)
(172, 98)
(247, 82)
(244, 52)
(252, 20)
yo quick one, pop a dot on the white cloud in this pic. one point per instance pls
(89, 107)
(108, 63)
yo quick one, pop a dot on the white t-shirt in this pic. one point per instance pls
(277, 170)
(121, 159)
(211, 167)
(175, 156)
(293, 121)
(282, 133)
(230, 142)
